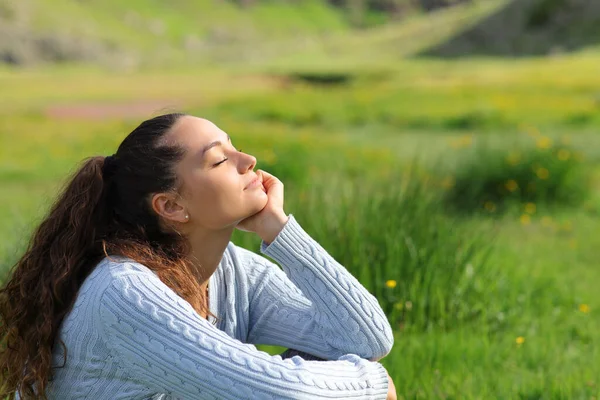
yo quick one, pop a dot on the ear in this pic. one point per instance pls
(168, 207)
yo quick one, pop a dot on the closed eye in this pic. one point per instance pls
(221, 162)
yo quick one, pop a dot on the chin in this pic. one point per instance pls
(261, 203)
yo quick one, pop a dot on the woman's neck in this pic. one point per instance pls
(207, 249)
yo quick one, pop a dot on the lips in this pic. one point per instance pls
(252, 181)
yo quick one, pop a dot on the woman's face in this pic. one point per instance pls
(214, 176)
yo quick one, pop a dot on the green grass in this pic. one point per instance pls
(475, 95)
(540, 281)
(533, 174)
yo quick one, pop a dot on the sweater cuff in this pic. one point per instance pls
(377, 377)
(378, 381)
(291, 237)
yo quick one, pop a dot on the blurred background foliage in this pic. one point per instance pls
(444, 152)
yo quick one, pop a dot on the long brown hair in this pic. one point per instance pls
(103, 210)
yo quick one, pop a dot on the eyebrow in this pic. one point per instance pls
(213, 144)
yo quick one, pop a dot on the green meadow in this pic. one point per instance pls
(462, 193)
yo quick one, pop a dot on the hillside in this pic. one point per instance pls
(154, 32)
(150, 33)
(528, 27)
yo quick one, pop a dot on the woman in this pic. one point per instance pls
(132, 289)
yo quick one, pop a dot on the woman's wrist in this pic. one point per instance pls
(272, 227)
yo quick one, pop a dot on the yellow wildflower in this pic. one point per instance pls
(399, 305)
(584, 308)
(513, 158)
(391, 284)
(544, 142)
(463, 141)
(530, 208)
(567, 226)
(448, 182)
(466, 140)
(530, 130)
(542, 173)
(511, 185)
(564, 155)
(520, 340)
(489, 206)
(525, 219)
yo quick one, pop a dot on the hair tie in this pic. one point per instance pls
(109, 167)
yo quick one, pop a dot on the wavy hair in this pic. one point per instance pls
(103, 210)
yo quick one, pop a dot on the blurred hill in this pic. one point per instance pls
(528, 27)
(147, 31)
(153, 32)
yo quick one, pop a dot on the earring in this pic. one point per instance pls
(187, 216)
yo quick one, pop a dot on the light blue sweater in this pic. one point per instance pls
(129, 336)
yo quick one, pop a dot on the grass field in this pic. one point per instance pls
(496, 301)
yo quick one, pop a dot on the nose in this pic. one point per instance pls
(248, 163)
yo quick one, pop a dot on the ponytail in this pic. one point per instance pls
(45, 280)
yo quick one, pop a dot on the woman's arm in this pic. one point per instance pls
(163, 343)
(314, 305)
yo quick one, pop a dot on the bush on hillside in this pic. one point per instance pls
(493, 179)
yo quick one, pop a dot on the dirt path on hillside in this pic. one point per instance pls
(96, 111)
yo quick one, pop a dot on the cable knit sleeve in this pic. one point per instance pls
(162, 343)
(314, 305)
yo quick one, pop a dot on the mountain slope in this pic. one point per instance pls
(528, 27)
(153, 31)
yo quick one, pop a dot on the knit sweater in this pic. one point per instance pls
(129, 336)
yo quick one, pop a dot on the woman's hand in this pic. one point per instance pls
(391, 394)
(268, 222)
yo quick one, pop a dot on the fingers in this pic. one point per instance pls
(265, 174)
(267, 179)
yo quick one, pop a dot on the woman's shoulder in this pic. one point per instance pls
(115, 266)
(112, 270)
(110, 276)
(120, 265)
